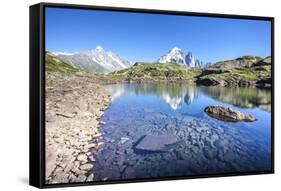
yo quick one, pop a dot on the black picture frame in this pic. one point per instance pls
(37, 92)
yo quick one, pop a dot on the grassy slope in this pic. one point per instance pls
(238, 61)
(156, 71)
(248, 73)
(54, 64)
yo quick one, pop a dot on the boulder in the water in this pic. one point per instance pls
(156, 143)
(228, 114)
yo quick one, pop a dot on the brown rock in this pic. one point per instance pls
(228, 114)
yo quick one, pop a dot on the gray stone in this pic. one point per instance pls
(87, 166)
(90, 177)
(89, 146)
(124, 140)
(81, 178)
(82, 157)
(156, 143)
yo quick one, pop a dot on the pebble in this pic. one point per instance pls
(90, 177)
(102, 122)
(82, 157)
(89, 146)
(96, 135)
(87, 166)
(124, 140)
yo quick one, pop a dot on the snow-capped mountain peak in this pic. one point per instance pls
(175, 49)
(96, 60)
(175, 55)
(99, 48)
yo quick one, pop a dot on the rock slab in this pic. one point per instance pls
(156, 143)
(228, 114)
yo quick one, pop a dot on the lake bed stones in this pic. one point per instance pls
(156, 143)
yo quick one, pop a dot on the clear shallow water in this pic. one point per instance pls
(206, 145)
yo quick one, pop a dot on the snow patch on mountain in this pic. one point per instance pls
(62, 53)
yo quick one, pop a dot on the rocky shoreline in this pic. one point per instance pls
(74, 106)
(108, 80)
(261, 84)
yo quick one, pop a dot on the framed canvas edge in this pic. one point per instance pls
(41, 153)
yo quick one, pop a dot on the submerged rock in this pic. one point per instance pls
(210, 82)
(156, 143)
(124, 140)
(228, 114)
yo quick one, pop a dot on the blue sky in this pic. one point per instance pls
(146, 37)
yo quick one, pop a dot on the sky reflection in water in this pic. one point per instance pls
(207, 145)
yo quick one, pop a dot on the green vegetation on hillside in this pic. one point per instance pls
(237, 73)
(240, 62)
(256, 58)
(242, 71)
(53, 64)
(156, 71)
(246, 68)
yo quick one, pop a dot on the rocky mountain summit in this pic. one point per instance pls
(96, 60)
(192, 62)
(176, 55)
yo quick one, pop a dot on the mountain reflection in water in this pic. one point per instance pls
(178, 95)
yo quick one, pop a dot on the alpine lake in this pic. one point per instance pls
(205, 145)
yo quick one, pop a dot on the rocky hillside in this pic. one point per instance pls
(243, 71)
(54, 64)
(240, 62)
(156, 71)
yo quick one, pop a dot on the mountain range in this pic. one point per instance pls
(101, 60)
(176, 55)
(96, 60)
(244, 71)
